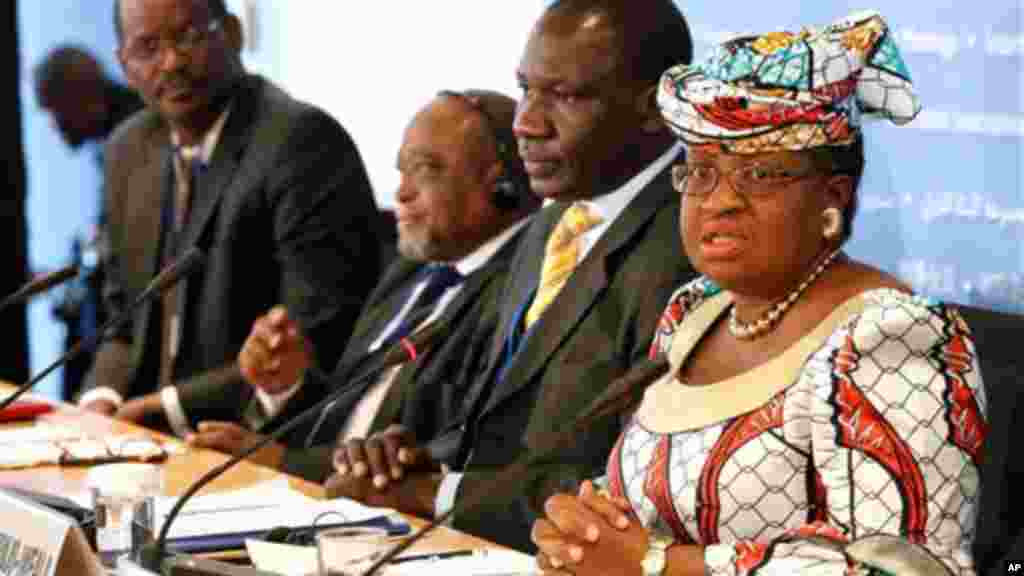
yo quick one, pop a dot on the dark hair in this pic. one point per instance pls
(218, 9)
(57, 69)
(498, 112)
(655, 33)
(849, 161)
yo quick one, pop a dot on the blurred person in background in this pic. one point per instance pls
(85, 104)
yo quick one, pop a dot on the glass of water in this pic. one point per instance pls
(124, 501)
(350, 551)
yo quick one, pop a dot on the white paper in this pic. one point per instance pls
(481, 563)
(282, 558)
(38, 432)
(259, 507)
(44, 443)
(301, 561)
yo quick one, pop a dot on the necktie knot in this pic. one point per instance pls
(190, 168)
(577, 220)
(561, 256)
(191, 161)
(441, 277)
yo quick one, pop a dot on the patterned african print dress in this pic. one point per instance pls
(872, 423)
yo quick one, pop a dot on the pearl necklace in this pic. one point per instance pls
(768, 320)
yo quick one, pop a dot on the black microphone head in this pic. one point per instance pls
(183, 266)
(59, 276)
(278, 534)
(40, 284)
(417, 343)
(625, 391)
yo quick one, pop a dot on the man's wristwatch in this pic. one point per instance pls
(653, 563)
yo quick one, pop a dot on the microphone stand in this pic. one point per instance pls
(620, 396)
(341, 372)
(405, 349)
(167, 278)
(38, 285)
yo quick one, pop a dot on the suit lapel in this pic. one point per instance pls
(146, 211)
(520, 287)
(478, 280)
(454, 315)
(213, 184)
(382, 306)
(583, 289)
(154, 171)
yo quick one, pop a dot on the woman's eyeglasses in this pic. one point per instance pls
(754, 180)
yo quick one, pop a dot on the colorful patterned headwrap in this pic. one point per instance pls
(785, 91)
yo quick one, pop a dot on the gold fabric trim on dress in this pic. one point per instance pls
(670, 407)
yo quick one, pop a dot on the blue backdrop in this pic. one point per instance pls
(941, 204)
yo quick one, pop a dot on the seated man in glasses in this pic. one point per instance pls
(272, 190)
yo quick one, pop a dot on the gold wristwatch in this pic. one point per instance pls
(654, 562)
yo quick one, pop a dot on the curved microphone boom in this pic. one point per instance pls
(432, 331)
(621, 395)
(39, 285)
(406, 349)
(167, 277)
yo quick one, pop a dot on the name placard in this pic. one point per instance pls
(38, 541)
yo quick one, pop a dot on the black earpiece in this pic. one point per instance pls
(513, 186)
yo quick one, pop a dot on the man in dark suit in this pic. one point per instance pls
(271, 189)
(461, 203)
(588, 284)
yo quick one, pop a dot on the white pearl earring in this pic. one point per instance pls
(833, 223)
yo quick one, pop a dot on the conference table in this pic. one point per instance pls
(182, 467)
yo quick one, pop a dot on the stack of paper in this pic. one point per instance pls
(48, 444)
(259, 508)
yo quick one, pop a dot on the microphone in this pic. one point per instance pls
(39, 285)
(167, 277)
(408, 348)
(622, 394)
(393, 355)
(174, 272)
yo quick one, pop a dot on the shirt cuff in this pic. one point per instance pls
(101, 393)
(175, 413)
(273, 404)
(445, 499)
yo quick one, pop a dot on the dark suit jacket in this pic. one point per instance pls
(424, 395)
(1000, 526)
(281, 213)
(601, 322)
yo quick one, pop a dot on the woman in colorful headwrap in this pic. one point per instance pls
(818, 418)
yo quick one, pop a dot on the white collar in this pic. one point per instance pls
(204, 150)
(477, 258)
(609, 206)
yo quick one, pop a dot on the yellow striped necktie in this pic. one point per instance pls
(561, 256)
